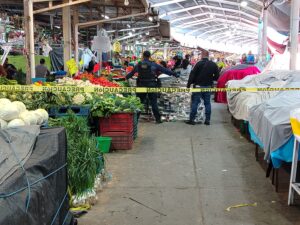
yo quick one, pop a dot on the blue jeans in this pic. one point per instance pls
(196, 99)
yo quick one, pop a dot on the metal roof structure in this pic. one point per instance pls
(225, 21)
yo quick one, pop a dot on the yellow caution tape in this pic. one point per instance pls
(95, 89)
(240, 205)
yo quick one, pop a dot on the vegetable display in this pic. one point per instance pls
(15, 114)
(103, 106)
(102, 81)
(82, 155)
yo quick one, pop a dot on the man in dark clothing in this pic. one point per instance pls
(147, 77)
(41, 71)
(203, 75)
(10, 69)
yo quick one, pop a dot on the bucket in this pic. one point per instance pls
(103, 144)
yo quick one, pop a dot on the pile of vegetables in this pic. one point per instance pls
(5, 81)
(15, 114)
(103, 106)
(102, 81)
(83, 155)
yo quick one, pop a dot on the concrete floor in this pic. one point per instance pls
(188, 175)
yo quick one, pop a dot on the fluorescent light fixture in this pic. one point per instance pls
(58, 27)
(128, 25)
(141, 36)
(244, 3)
(106, 17)
(150, 18)
(133, 30)
(130, 33)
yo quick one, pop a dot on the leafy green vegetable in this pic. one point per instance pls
(103, 106)
(82, 155)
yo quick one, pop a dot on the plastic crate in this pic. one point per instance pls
(119, 122)
(63, 111)
(135, 126)
(120, 140)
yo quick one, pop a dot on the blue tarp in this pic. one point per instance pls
(282, 154)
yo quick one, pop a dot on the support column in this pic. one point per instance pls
(165, 52)
(66, 12)
(75, 32)
(294, 32)
(265, 37)
(29, 40)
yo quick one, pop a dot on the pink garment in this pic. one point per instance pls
(221, 97)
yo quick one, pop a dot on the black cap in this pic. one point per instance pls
(146, 54)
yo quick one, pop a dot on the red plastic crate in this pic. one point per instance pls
(120, 140)
(119, 122)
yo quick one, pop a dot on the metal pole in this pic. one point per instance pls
(31, 38)
(294, 33)
(67, 33)
(76, 43)
(265, 37)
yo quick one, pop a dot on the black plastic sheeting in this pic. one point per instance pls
(57, 58)
(49, 203)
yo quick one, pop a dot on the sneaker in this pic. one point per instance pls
(207, 123)
(190, 122)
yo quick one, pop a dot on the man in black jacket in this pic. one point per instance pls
(147, 77)
(202, 76)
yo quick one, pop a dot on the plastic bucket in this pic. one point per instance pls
(104, 144)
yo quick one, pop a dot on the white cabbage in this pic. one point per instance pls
(4, 101)
(3, 124)
(16, 123)
(38, 116)
(29, 118)
(44, 114)
(9, 112)
(20, 105)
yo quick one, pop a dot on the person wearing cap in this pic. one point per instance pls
(147, 77)
(203, 75)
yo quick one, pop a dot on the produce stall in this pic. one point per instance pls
(36, 192)
(85, 117)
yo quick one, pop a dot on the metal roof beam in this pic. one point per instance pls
(209, 7)
(258, 12)
(231, 17)
(202, 28)
(167, 3)
(225, 37)
(184, 26)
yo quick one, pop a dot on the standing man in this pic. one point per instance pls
(147, 77)
(203, 75)
(41, 70)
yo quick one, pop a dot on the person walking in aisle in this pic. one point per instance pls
(147, 77)
(202, 76)
(41, 71)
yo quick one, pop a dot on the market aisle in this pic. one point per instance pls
(189, 175)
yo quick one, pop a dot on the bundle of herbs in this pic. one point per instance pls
(83, 155)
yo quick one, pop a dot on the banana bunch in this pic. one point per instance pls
(117, 47)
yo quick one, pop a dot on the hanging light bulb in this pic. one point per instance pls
(126, 2)
(244, 3)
